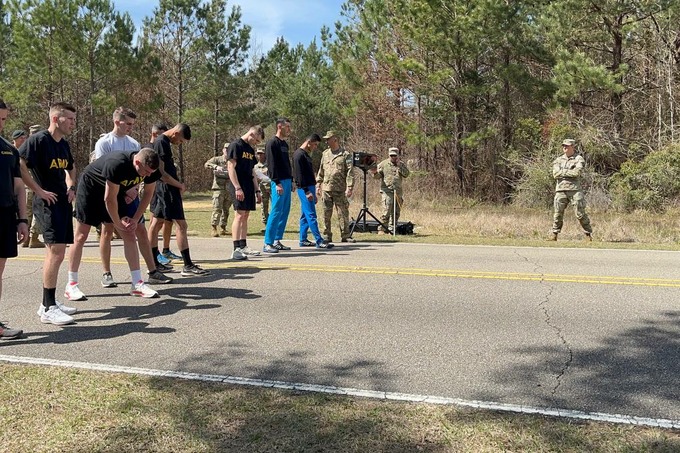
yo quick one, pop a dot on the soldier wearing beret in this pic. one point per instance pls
(568, 171)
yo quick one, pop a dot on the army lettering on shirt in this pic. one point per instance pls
(117, 168)
(244, 155)
(47, 159)
(9, 169)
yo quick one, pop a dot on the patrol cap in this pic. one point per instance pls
(329, 134)
(259, 151)
(568, 142)
(35, 128)
(394, 151)
(226, 145)
(18, 133)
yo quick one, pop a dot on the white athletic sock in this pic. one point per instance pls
(72, 277)
(136, 276)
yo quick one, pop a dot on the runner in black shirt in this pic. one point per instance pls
(12, 202)
(102, 198)
(167, 202)
(47, 168)
(281, 176)
(243, 187)
(305, 180)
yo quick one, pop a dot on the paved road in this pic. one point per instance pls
(592, 330)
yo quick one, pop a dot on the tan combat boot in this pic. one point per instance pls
(553, 237)
(34, 242)
(589, 237)
(223, 231)
(213, 232)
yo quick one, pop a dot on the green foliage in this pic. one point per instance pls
(651, 184)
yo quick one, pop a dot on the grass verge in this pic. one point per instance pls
(56, 409)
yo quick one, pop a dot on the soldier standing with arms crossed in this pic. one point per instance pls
(221, 199)
(391, 171)
(334, 183)
(567, 171)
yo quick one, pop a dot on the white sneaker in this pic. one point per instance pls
(72, 292)
(54, 316)
(65, 309)
(141, 289)
(238, 254)
(62, 307)
(249, 252)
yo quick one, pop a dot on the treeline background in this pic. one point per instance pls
(478, 94)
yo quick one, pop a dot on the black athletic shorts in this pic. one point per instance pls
(248, 203)
(8, 232)
(55, 220)
(167, 203)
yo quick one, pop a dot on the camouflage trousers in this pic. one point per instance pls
(32, 224)
(562, 200)
(337, 199)
(388, 213)
(221, 201)
(266, 196)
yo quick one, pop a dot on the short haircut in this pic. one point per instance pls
(3, 106)
(258, 131)
(149, 157)
(314, 138)
(281, 121)
(158, 128)
(123, 112)
(59, 107)
(185, 130)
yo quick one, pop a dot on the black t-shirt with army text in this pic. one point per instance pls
(245, 158)
(9, 169)
(117, 168)
(47, 159)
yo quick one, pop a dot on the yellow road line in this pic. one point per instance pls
(418, 272)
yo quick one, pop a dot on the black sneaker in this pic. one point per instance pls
(325, 245)
(9, 334)
(350, 240)
(158, 278)
(306, 243)
(279, 246)
(160, 267)
(188, 271)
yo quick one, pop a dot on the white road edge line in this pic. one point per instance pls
(552, 412)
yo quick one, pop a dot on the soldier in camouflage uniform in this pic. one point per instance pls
(390, 172)
(265, 187)
(567, 171)
(334, 183)
(221, 198)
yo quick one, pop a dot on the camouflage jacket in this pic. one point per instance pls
(567, 172)
(335, 171)
(391, 175)
(221, 178)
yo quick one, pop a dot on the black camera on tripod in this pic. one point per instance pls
(364, 160)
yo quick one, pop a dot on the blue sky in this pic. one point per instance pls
(298, 21)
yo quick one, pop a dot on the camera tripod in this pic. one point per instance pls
(364, 210)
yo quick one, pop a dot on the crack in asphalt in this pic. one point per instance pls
(543, 305)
